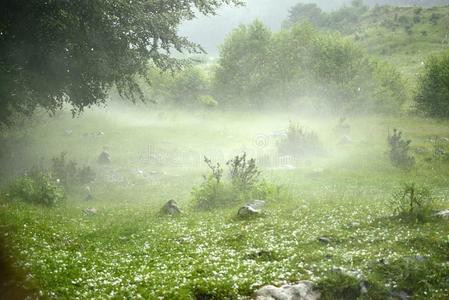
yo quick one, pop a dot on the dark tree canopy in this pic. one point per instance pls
(58, 51)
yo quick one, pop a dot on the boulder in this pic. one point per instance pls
(170, 208)
(303, 290)
(442, 214)
(104, 158)
(251, 208)
(90, 211)
(324, 240)
(345, 139)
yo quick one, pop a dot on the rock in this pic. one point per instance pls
(400, 295)
(345, 139)
(420, 150)
(324, 240)
(104, 158)
(303, 290)
(68, 132)
(170, 208)
(90, 211)
(252, 208)
(440, 152)
(442, 214)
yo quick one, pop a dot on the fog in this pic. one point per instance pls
(210, 31)
(310, 161)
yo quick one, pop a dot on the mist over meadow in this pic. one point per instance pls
(224, 149)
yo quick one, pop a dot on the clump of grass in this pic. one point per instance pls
(299, 141)
(338, 285)
(412, 202)
(399, 151)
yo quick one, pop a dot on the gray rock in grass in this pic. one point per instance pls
(251, 208)
(442, 214)
(104, 158)
(90, 211)
(170, 208)
(303, 290)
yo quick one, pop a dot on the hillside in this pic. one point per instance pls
(404, 36)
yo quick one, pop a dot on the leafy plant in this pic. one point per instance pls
(244, 174)
(243, 185)
(299, 141)
(38, 188)
(68, 172)
(412, 202)
(399, 151)
(433, 87)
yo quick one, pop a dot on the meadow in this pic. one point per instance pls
(128, 250)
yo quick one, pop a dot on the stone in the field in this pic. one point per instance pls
(324, 240)
(170, 208)
(303, 290)
(442, 214)
(252, 208)
(104, 158)
(345, 139)
(90, 211)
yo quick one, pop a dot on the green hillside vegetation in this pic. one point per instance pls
(403, 36)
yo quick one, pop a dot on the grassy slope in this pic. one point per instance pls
(128, 250)
(383, 32)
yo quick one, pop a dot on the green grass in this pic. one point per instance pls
(128, 249)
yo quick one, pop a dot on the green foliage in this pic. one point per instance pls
(37, 188)
(338, 285)
(258, 68)
(187, 88)
(69, 173)
(299, 142)
(243, 185)
(54, 52)
(412, 203)
(242, 74)
(244, 174)
(432, 97)
(399, 151)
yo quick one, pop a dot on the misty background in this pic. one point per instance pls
(210, 31)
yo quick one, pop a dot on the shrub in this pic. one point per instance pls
(432, 97)
(338, 285)
(399, 151)
(68, 172)
(244, 174)
(412, 203)
(243, 185)
(299, 141)
(37, 188)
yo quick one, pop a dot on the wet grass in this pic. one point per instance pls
(128, 250)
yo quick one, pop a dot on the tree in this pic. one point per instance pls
(242, 73)
(60, 51)
(301, 13)
(432, 97)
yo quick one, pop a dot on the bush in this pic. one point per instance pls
(299, 141)
(432, 97)
(243, 185)
(412, 203)
(399, 151)
(68, 172)
(36, 188)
